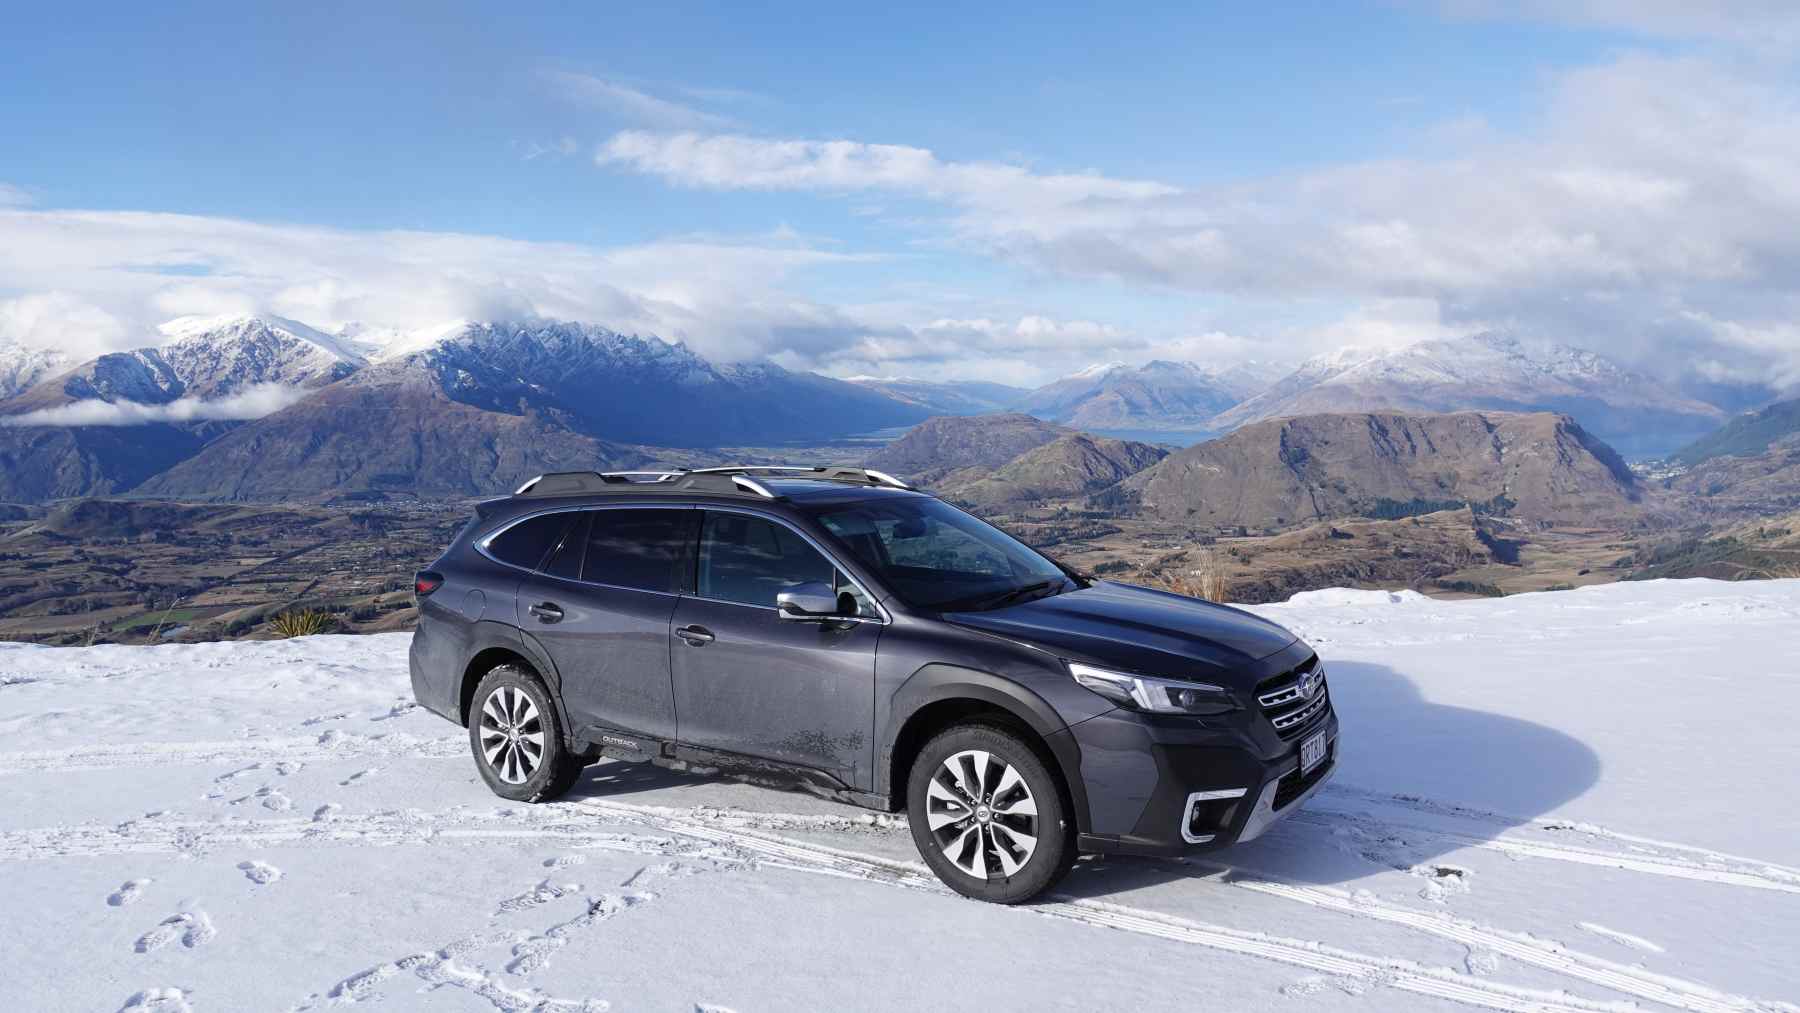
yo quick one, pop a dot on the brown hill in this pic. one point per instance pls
(1540, 467)
(394, 429)
(933, 449)
(1068, 466)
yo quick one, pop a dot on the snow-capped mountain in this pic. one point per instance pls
(1156, 395)
(22, 367)
(1633, 412)
(202, 359)
(486, 405)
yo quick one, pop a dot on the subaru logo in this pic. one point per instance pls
(1308, 685)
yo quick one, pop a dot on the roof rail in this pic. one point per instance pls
(575, 483)
(823, 473)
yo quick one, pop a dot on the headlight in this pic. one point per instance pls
(1159, 696)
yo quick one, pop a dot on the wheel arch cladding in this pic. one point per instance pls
(492, 655)
(939, 696)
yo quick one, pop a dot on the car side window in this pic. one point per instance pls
(565, 560)
(526, 543)
(641, 549)
(750, 560)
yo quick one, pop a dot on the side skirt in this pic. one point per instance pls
(632, 748)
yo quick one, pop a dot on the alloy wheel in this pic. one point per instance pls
(512, 734)
(981, 814)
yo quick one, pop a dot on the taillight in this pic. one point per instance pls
(425, 582)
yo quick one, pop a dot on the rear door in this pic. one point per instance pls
(600, 606)
(751, 682)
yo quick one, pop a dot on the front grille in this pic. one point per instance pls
(1293, 786)
(1288, 707)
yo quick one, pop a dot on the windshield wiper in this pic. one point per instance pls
(1013, 595)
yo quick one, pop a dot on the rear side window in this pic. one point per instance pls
(750, 560)
(641, 549)
(565, 559)
(526, 543)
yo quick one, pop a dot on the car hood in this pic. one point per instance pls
(1137, 629)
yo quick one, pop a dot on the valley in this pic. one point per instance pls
(243, 469)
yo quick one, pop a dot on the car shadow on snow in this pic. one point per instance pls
(1416, 780)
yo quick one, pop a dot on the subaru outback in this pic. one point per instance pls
(835, 630)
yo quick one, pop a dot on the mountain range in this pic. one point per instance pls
(1633, 412)
(266, 407)
(477, 407)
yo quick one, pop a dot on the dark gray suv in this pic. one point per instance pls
(834, 629)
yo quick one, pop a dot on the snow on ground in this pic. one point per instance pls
(1568, 801)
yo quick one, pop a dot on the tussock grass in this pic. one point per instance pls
(301, 623)
(1204, 578)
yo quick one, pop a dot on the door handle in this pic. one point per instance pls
(547, 612)
(696, 636)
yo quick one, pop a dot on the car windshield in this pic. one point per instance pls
(934, 556)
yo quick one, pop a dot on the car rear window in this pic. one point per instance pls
(525, 543)
(640, 549)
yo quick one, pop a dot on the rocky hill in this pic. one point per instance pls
(1488, 372)
(388, 429)
(1748, 435)
(940, 446)
(1541, 467)
(1067, 467)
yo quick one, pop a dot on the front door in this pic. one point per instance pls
(600, 606)
(748, 681)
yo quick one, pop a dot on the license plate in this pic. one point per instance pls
(1312, 753)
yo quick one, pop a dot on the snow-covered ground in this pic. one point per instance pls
(1578, 800)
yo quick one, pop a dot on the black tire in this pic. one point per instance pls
(1054, 850)
(514, 773)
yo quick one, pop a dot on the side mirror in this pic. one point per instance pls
(813, 600)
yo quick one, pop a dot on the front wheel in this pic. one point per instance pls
(516, 735)
(988, 816)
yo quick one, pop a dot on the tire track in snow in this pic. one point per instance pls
(388, 828)
(1498, 822)
(1669, 991)
(1309, 955)
(330, 745)
(1718, 869)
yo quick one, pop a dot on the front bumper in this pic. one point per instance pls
(1169, 787)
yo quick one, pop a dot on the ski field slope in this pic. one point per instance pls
(1576, 800)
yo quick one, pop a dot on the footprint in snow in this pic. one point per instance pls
(543, 893)
(358, 777)
(564, 861)
(399, 710)
(157, 1000)
(260, 873)
(707, 1007)
(128, 893)
(322, 718)
(268, 797)
(193, 928)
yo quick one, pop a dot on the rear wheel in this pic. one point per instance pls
(517, 737)
(988, 816)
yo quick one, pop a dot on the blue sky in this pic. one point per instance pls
(1136, 182)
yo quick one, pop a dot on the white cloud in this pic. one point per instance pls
(57, 320)
(630, 104)
(250, 403)
(1656, 191)
(82, 293)
(736, 162)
